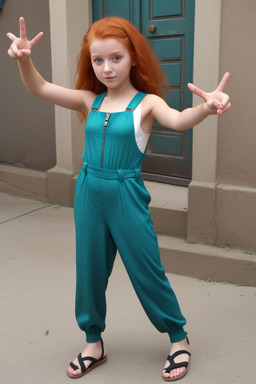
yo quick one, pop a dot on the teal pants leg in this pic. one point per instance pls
(95, 254)
(110, 215)
(137, 243)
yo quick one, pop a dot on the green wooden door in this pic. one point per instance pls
(169, 27)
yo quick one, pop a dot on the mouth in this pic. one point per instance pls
(109, 78)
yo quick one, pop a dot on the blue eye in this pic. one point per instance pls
(116, 58)
(98, 61)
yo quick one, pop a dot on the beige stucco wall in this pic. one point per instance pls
(64, 23)
(237, 130)
(236, 166)
(222, 206)
(27, 129)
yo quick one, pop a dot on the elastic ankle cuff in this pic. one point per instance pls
(93, 337)
(178, 335)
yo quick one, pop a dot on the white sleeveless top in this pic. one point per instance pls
(140, 136)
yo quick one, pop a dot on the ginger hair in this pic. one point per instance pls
(146, 76)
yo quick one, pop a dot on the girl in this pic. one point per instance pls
(118, 91)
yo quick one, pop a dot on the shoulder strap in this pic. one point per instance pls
(98, 100)
(136, 101)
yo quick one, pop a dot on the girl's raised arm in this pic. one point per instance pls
(216, 102)
(20, 50)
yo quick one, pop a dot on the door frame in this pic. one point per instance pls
(207, 35)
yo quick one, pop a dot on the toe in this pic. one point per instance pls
(165, 375)
(73, 372)
(174, 373)
(177, 372)
(69, 369)
(77, 372)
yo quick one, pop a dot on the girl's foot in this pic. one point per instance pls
(96, 354)
(177, 372)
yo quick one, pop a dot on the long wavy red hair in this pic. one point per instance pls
(146, 76)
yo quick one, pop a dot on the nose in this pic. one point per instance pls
(107, 67)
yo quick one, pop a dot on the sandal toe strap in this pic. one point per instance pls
(82, 359)
(177, 365)
(73, 366)
(174, 365)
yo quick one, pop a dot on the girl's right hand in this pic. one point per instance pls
(20, 48)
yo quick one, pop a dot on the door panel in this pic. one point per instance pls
(166, 8)
(169, 153)
(167, 49)
(128, 9)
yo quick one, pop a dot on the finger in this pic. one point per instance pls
(23, 34)
(11, 36)
(36, 39)
(197, 91)
(223, 82)
(15, 51)
(220, 112)
(220, 104)
(14, 54)
(25, 54)
(11, 54)
(225, 100)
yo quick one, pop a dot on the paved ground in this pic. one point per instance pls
(39, 335)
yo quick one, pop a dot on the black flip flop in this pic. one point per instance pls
(174, 365)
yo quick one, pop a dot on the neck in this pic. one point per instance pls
(125, 90)
(117, 99)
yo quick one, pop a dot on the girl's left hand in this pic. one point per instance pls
(216, 101)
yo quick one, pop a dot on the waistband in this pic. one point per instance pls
(109, 174)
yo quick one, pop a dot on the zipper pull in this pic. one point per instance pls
(107, 119)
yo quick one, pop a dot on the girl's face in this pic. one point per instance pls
(111, 62)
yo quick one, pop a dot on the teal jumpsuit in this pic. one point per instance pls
(111, 213)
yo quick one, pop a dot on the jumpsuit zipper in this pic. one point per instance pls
(104, 138)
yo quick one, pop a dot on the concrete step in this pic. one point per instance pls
(206, 262)
(168, 208)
